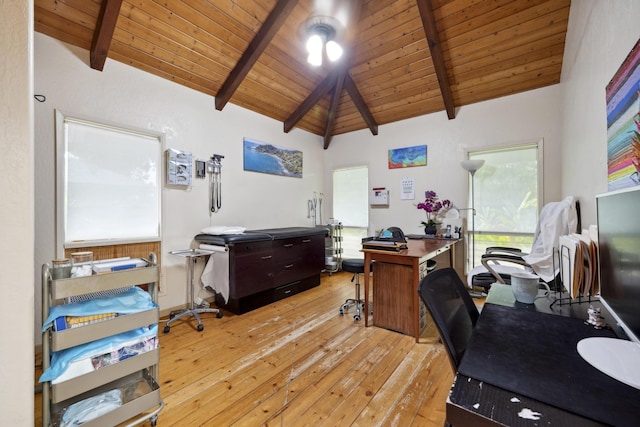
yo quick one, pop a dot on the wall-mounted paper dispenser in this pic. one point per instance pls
(379, 197)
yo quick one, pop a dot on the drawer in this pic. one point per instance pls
(313, 253)
(250, 248)
(241, 266)
(287, 249)
(285, 291)
(288, 271)
(251, 274)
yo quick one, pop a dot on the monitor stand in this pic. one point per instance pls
(615, 357)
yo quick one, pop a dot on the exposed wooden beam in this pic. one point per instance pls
(433, 40)
(350, 85)
(355, 8)
(249, 57)
(332, 113)
(325, 86)
(357, 99)
(105, 26)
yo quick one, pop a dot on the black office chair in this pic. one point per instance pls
(452, 310)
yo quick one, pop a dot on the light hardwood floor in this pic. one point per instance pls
(297, 362)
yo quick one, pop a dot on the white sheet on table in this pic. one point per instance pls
(216, 274)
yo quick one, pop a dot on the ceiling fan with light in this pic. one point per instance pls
(323, 35)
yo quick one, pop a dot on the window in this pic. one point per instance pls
(351, 207)
(507, 197)
(108, 184)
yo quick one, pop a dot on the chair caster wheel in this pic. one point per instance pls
(356, 317)
(200, 328)
(218, 315)
(341, 312)
(167, 329)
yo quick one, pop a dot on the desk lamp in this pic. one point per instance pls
(472, 166)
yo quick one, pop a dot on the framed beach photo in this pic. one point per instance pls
(268, 158)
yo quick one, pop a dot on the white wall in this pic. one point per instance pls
(526, 117)
(601, 34)
(16, 213)
(125, 96)
(570, 117)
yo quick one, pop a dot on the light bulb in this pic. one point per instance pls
(315, 59)
(314, 43)
(334, 51)
(314, 47)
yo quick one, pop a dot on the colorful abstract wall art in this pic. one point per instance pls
(408, 157)
(623, 123)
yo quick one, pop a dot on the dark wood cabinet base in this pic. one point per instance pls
(268, 265)
(257, 300)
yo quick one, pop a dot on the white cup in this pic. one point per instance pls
(525, 287)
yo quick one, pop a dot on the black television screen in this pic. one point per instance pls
(619, 251)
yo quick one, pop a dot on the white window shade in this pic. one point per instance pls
(351, 196)
(108, 184)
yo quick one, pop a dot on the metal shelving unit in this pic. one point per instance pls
(136, 377)
(333, 248)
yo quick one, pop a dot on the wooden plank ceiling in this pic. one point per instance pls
(403, 58)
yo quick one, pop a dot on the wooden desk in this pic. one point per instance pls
(396, 276)
(478, 401)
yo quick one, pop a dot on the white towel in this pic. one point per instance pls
(216, 274)
(556, 219)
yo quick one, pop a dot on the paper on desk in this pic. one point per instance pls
(591, 283)
(595, 274)
(578, 255)
(384, 245)
(214, 248)
(568, 247)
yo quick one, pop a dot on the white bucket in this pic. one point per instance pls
(525, 287)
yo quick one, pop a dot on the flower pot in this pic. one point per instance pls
(430, 230)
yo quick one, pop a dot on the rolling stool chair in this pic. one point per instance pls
(355, 266)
